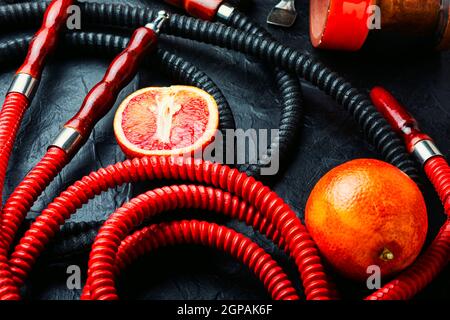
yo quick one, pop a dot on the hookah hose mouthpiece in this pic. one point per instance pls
(418, 143)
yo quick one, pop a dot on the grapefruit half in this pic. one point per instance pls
(161, 121)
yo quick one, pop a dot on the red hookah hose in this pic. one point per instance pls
(170, 198)
(273, 208)
(11, 116)
(17, 206)
(438, 171)
(195, 232)
(15, 104)
(437, 256)
(96, 104)
(26, 193)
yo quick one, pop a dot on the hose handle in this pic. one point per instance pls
(417, 142)
(202, 9)
(103, 95)
(395, 113)
(45, 40)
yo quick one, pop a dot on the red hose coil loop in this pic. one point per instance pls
(26, 193)
(436, 257)
(267, 202)
(421, 273)
(438, 171)
(271, 207)
(11, 115)
(101, 285)
(18, 205)
(8, 289)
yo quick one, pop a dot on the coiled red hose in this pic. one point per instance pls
(136, 211)
(8, 289)
(421, 273)
(18, 205)
(26, 193)
(436, 257)
(438, 171)
(271, 207)
(11, 115)
(192, 232)
(275, 213)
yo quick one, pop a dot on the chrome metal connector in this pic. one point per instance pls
(224, 13)
(69, 139)
(425, 150)
(25, 84)
(159, 21)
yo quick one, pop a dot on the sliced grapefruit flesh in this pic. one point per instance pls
(174, 120)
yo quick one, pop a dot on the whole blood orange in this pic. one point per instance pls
(172, 120)
(364, 213)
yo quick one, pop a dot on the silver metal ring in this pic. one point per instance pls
(224, 12)
(69, 140)
(25, 84)
(425, 150)
(159, 21)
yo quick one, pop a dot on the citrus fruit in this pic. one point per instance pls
(367, 213)
(174, 120)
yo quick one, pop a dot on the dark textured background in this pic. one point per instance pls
(329, 137)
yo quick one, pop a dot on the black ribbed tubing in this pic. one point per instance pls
(291, 100)
(374, 126)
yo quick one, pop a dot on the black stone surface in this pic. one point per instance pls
(328, 137)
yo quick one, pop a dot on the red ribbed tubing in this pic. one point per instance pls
(43, 44)
(235, 195)
(18, 205)
(438, 171)
(26, 193)
(271, 207)
(186, 232)
(11, 116)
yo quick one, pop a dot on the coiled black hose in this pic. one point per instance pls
(375, 127)
(291, 95)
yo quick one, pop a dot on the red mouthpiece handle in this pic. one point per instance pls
(121, 71)
(45, 40)
(397, 116)
(202, 9)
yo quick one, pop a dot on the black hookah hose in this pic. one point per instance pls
(288, 85)
(291, 94)
(374, 126)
